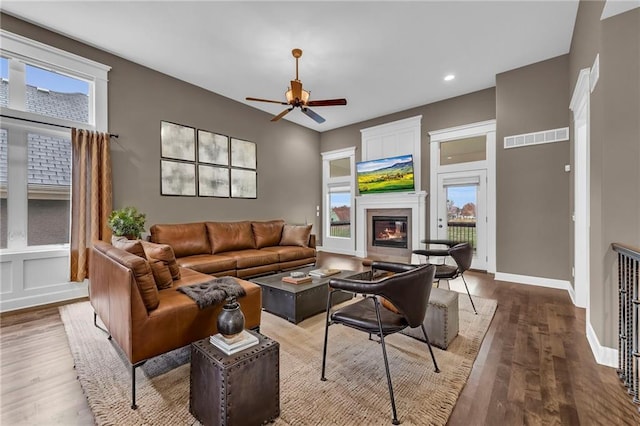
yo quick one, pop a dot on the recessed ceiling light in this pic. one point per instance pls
(449, 77)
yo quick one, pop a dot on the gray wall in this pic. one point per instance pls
(289, 166)
(533, 217)
(614, 149)
(470, 108)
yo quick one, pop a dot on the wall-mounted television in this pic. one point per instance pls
(394, 174)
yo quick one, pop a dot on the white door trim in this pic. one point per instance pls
(580, 105)
(487, 128)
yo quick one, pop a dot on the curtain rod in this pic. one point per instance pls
(48, 124)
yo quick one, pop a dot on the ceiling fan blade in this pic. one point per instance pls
(327, 102)
(267, 100)
(313, 115)
(296, 89)
(282, 114)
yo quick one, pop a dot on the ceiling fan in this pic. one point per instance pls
(298, 97)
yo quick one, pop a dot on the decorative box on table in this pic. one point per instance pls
(239, 389)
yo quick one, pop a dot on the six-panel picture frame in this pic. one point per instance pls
(197, 162)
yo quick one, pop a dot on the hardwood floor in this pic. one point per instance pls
(535, 366)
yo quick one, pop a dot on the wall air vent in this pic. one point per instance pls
(545, 136)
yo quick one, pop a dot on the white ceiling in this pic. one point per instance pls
(383, 57)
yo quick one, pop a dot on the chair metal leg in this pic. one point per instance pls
(433, 357)
(465, 286)
(326, 337)
(395, 420)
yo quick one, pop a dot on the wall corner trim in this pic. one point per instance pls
(603, 355)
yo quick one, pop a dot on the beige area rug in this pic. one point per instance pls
(355, 392)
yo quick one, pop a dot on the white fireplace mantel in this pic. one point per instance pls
(416, 201)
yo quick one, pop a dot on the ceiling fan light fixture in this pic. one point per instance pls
(290, 98)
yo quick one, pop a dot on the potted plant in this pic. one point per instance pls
(127, 222)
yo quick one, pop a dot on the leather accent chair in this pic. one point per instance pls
(436, 252)
(462, 254)
(408, 290)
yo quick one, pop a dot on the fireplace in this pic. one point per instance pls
(390, 231)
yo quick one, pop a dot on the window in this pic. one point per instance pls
(3, 188)
(463, 150)
(51, 91)
(56, 95)
(340, 212)
(48, 189)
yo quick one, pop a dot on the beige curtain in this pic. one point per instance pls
(91, 196)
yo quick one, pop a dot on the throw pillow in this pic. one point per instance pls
(230, 236)
(131, 246)
(267, 234)
(144, 280)
(162, 252)
(161, 274)
(387, 304)
(295, 235)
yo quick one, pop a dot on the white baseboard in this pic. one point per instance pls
(604, 355)
(539, 281)
(336, 251)
(74, 291)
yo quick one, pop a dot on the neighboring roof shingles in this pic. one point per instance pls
(49, 157)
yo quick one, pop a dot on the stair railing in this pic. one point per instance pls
(628, 317)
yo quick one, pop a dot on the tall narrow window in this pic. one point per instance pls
(4, 82)
(3, 188)
(49, 189)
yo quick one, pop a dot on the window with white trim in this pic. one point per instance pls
(44, 91)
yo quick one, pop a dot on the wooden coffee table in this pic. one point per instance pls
(295, 302)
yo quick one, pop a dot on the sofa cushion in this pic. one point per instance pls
(228, 236)
(141, 273)
(268, 233)
(295, 235)
(131, 246)
(161, 274)
(288, 253)
(162, 252)
(208, 263)
(251, 258)
(186, 239)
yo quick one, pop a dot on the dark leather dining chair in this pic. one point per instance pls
(462, 254)
(408, 289)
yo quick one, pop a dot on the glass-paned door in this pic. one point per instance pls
(462, 211)
(338, 234)
(340, 212)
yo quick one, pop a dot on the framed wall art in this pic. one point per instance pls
(177, 141)
(213, 148)
(213, 181)
(243, 154)
(244, 183)
(177, 178)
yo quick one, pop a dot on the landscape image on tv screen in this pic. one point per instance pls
(385, 175)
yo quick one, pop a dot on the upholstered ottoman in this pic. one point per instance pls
(441, 321)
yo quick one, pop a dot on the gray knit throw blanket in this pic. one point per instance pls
(214, 291)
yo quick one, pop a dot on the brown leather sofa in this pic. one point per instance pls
(146, 321)
(239, 249)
